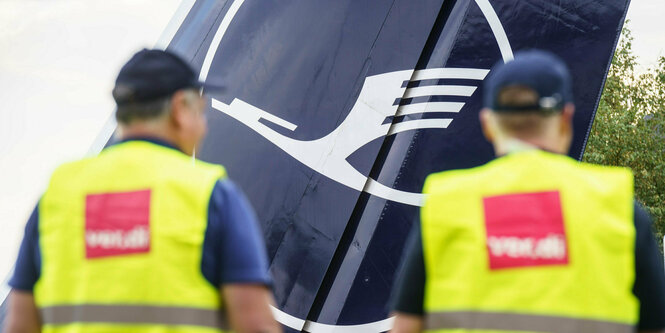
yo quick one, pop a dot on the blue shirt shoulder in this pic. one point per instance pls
(28, 264)
(233, 249)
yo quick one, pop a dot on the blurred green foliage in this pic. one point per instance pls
(629, 128)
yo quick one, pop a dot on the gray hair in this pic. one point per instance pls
(525, 122)
(128, 113)
(142, 111)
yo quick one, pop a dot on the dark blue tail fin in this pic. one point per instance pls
(336, 111)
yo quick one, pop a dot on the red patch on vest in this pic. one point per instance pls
(524, 230)
(117, 224)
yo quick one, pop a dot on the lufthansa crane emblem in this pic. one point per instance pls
(328, 154)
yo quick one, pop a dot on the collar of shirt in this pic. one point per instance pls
(150, 139)
(518, 146)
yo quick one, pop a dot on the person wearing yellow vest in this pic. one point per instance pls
(533, 241)
(143, 237)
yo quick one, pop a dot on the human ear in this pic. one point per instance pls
(566, 126)
(179, 114)
(485, 116)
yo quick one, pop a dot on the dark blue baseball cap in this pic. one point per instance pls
(151, 74)
(541, 71)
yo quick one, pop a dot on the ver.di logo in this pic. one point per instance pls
(327, 155)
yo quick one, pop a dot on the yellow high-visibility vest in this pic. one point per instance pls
(530, 242)
(121, 238)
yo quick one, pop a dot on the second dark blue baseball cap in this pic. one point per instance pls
(540, 71)
(151, 74)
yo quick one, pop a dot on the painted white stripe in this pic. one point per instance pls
(439, 91)
(410, 198)
(279, 121)
(418, 124)
(174, 24)
(220, 106)
(5, 289)
(450, 73)
(497, 29)
(104, 136)
(375, 327)
(429, 107)
(314, 327)
(217, 39)
(287, 319)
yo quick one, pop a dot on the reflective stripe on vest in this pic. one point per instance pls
(121, 238)
(477, 320)
(132, 314)
(528, 237)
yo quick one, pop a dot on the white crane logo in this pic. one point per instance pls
(365, 123)
(328, 155)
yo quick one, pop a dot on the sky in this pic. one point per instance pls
(58, 61)
(648, 27)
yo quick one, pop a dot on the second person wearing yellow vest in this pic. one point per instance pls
(532, 241)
